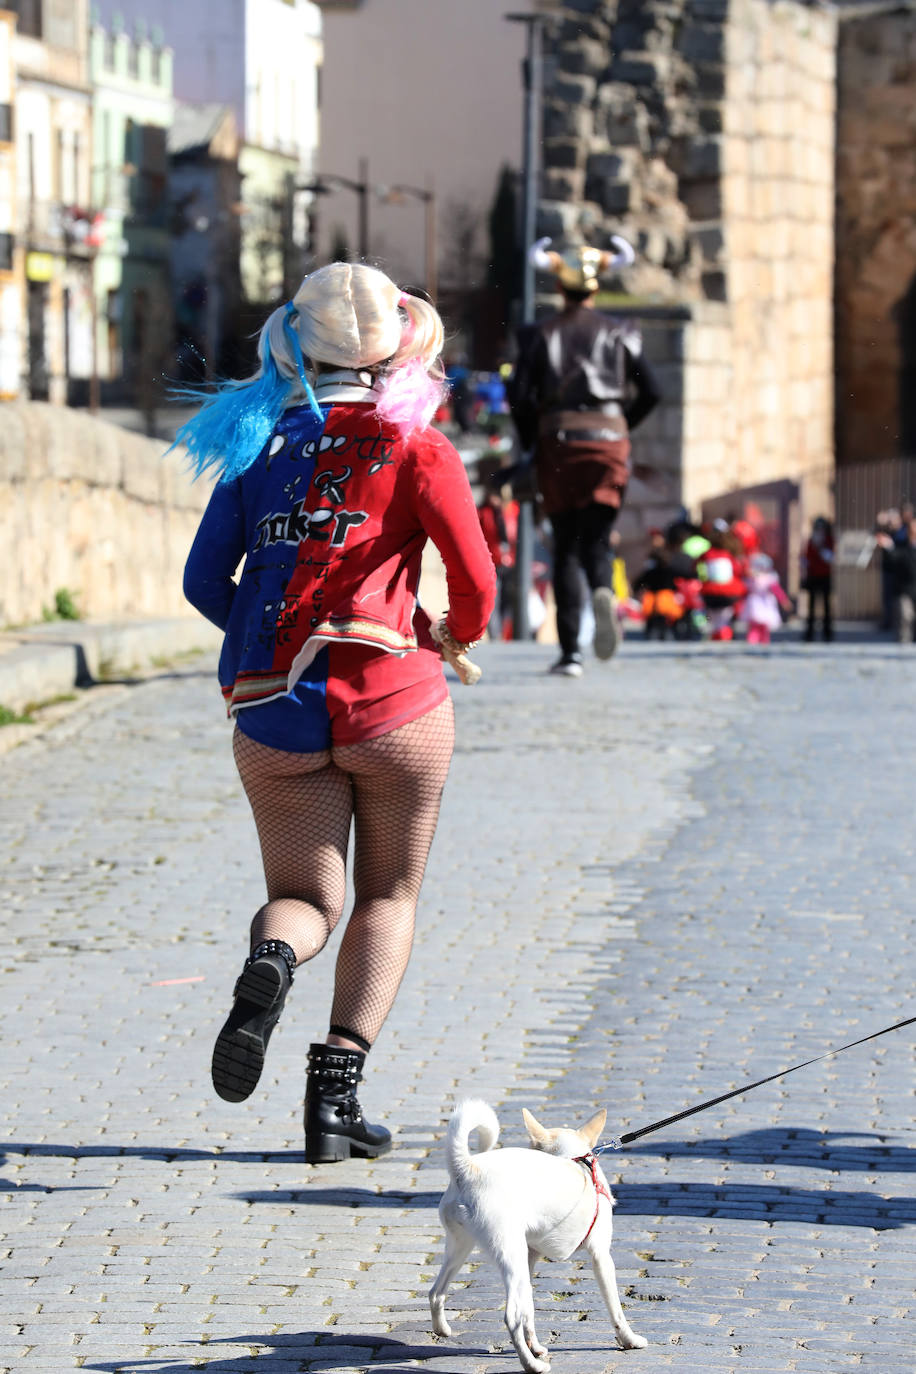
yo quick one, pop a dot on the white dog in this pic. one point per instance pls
(518, 1205)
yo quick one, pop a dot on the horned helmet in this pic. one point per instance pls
(580, 267)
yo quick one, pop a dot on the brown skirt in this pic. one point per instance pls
(582, 456)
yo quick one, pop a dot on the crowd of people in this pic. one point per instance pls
(708, 582)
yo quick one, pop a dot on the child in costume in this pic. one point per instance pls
(330, 483)
(722, 586)
(656, 586)
(765, 601)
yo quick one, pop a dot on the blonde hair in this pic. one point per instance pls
(343, 315)
(351, 315)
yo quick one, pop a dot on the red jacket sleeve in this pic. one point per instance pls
(445, 508)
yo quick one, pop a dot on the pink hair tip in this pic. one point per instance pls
(409, 397)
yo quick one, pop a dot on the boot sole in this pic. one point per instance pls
(331, 1149)
(607, 628)
(238, 1055)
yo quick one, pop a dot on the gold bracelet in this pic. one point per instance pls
(445, 636)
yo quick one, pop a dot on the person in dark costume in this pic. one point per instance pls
(580, 387)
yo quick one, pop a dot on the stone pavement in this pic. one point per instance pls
(686, 871)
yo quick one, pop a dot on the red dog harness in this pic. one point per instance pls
(590, 1163)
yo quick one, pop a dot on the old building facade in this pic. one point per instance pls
(762, 158)
(262, 58)
(53, 139)
(131, 77)
(703, 130)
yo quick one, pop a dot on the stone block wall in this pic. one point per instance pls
(95, 509)
(106, 514)
(759, 382)
(703, 131)
(876, 236)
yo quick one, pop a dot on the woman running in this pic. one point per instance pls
(330, 483)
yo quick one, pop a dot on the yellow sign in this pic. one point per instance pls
(39, 266)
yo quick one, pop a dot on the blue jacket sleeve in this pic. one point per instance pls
(218, 548)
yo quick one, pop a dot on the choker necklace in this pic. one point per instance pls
(345, 376)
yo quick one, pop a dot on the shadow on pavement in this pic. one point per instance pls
(167, 1153)
(344, 1197)
(759, 1202)
(143, 680)
(309, 1348)
(7, 1186)
(798, 1147)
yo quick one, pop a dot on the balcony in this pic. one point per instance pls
(49, 226)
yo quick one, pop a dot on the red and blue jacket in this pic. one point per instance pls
(331, 521)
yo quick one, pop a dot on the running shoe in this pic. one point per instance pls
(607, 625)
(570, 665)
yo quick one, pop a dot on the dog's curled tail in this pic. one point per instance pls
(470, 1115)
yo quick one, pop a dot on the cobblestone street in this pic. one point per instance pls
(684, 872)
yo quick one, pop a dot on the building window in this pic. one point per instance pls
(6, 252)
(29, 12)
(6, 123)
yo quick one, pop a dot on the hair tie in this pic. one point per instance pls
(293, 337)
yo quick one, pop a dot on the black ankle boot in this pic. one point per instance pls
(334, 1125)
(238, 1055)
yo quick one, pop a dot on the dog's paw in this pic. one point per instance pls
(441, 1326)
(631, 1341)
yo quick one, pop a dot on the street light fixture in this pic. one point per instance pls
(532, 69)
(326, 183)
(395, 195)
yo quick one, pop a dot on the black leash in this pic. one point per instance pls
(629, 1136)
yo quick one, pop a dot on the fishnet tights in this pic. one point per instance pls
(303, 805)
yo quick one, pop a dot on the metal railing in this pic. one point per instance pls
(862, 490)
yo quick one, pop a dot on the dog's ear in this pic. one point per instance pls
(593, 1128)
(537, 1134)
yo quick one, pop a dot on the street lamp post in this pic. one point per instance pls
(532, 70)
(391, 196)
(326, 182)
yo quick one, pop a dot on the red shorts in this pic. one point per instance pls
(349, 693)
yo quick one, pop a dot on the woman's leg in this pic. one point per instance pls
(397, 788)
(595, 524)
(302, 806)
(567, 586)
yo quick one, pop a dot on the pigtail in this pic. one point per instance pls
(412, 386)
(236, 420)
(423, 335)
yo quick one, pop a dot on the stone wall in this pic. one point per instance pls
(106, 514)
(759, 383)
(95, 509)
(703, 131)
(876, 236)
